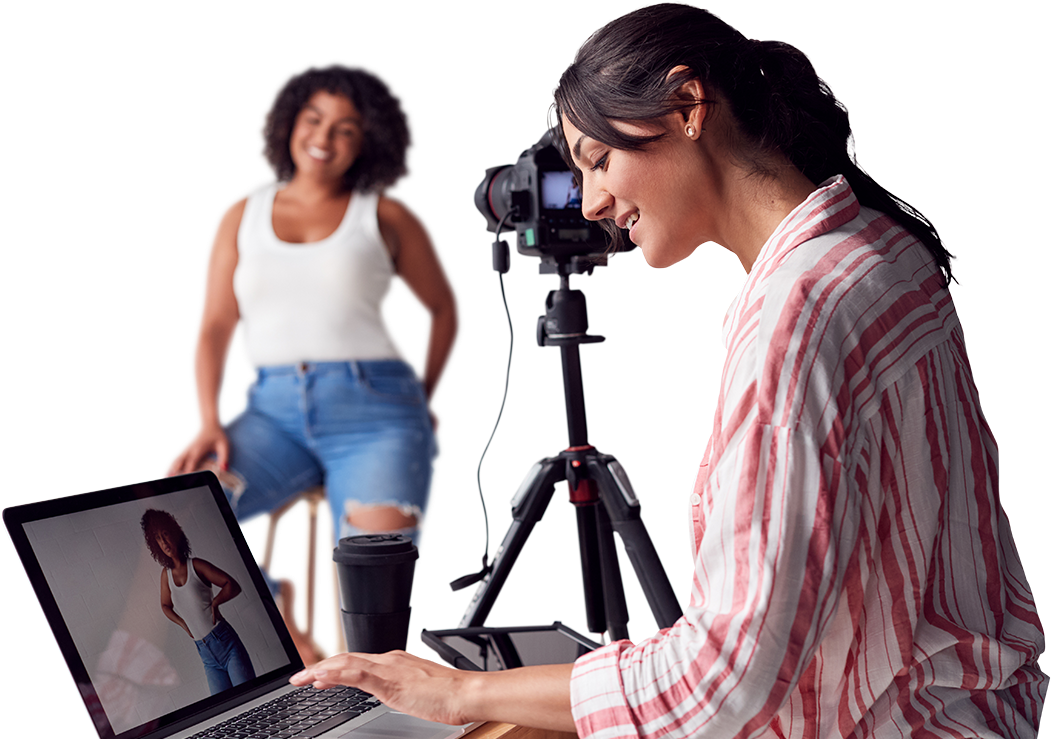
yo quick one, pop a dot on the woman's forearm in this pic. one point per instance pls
(528, 696)
(209, 365)
(439, 346)
(176, 619)
(227, 592)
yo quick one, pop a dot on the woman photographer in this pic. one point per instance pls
(855, 574)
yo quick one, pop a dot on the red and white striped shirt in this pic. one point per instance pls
(855, 574)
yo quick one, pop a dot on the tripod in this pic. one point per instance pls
(598, 487)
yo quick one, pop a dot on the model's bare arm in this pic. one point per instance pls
(217, 327)
(212, 575)
(424, 270)
(167, 608)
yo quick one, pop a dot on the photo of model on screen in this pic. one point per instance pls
(187, 600)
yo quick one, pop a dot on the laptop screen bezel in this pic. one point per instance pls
(18, 517)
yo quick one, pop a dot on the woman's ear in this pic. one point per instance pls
(691, 93)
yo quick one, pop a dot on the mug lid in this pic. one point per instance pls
(371, 548)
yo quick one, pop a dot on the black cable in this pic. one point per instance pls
(507, 384)
(471, 579)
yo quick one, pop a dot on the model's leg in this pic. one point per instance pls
(375, 438)
(271, 463)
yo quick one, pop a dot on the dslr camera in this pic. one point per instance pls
(540, 197)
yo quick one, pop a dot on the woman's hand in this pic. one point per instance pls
(403, 682)
(535, 696)
(210, 441)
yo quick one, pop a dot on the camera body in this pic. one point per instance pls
(541, 198)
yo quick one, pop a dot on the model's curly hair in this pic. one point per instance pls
(154, 522)
(385, 128)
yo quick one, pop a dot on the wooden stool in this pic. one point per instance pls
(314, 508)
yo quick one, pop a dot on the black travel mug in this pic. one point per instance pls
(375, 581)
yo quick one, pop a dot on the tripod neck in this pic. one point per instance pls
(576, 416)
(565, 325)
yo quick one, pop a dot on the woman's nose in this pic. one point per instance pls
(596, 203)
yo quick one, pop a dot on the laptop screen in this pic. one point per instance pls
(127, 578)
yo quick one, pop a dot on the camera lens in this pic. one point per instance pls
(493, 196)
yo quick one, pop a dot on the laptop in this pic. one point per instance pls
(142, 673)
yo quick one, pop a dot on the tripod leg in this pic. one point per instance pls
(649, 571)
(612, 583)
(623, 509)
(591, 571)
(603, 587)
(528, 507)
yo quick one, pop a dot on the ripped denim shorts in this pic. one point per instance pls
(361, 429)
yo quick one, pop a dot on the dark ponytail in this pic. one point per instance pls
(771, 89)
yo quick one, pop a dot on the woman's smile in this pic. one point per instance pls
(318, 153)
(327, 136)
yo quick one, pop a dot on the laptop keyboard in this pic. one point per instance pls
(303, 713)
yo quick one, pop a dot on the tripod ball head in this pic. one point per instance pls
(566, 319)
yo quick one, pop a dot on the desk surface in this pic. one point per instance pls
(510, 731)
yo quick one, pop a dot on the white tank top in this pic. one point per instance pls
(318, 301)
(192, 602)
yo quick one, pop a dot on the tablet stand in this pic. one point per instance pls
(598, 487)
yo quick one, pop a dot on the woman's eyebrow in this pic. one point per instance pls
(576, 146)
(356, 119)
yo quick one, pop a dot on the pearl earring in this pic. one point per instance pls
(690, 130)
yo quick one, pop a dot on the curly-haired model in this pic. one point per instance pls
(304, 263)
(189, 601)
(155, 522)
(385, 131)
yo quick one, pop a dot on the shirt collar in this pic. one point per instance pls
(829, 207)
